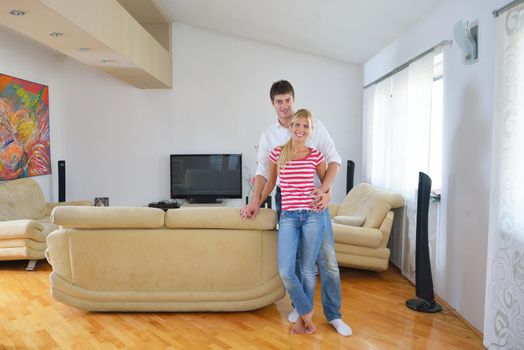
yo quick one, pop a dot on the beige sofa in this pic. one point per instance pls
(362, 226)
(145, 259)
(24, 220)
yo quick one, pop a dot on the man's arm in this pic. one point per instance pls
(323, 193)
(329, 178)
(326, 145)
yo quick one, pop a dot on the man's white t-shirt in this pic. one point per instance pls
(277, 135)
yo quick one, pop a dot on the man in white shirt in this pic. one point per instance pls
(283, 98)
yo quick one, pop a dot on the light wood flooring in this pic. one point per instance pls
(373, 305)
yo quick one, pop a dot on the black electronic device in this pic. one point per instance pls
(203, 178)
(350, 175)
(425, 300)
(165, 205)
(61, 181)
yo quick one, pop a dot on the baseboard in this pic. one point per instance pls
(459, 316)
(448, 307)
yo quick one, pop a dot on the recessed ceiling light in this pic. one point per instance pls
(83, 49)
(107, 61)
(56, 34)
(17, 12)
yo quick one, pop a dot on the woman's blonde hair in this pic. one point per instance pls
(287, 148)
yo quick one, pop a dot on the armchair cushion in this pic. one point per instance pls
(349, 220)
(357, 236)
(22, 229)
(365, 200)
(333, 210)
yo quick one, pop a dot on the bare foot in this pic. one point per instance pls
(298, 327)
(308, 322)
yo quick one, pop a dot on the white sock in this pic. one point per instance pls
(341, 327)
(293, 316)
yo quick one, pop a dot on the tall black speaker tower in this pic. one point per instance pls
(61, 181)
(350, 175)
(425, 301)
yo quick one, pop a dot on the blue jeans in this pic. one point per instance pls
(327, 265)
(302, 229)
(329, 273)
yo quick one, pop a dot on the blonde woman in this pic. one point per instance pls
(300, 225)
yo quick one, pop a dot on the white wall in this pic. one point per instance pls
(18, 60)
(116, 139)
(468, 106)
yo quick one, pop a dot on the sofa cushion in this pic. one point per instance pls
(219, 218)
(21, 199)
(349, 220)
(108, 217)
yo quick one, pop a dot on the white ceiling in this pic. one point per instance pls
(348, 30)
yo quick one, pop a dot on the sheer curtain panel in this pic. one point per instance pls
(504, 309)
(397, 115)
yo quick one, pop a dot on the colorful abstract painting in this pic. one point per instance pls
(24, 128)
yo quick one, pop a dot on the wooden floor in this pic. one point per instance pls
(373, 305)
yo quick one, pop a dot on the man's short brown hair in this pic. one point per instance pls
(281, 87)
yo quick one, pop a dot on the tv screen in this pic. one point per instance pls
(206, 177)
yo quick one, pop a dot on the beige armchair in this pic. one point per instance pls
(362, 226)
(24, 220)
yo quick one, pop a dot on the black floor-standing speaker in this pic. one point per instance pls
(61, 181)
(425, 300)
(350, 175)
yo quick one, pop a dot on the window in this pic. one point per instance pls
(403, 117)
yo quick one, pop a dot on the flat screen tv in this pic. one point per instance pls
(203, 178)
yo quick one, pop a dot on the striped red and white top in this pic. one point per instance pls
(297, 179)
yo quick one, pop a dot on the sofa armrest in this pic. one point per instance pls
(22, 229)
(53, 205)
(58, 253)
(385, 227)
(333, 210)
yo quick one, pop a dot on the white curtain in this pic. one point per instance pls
(504, 309)
(397, 115)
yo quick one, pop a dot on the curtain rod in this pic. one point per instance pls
(505, 8)
(402, 66)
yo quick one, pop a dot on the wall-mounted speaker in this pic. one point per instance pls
(61, 181)
(466, 36)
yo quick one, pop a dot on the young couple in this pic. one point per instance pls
(304, 222)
